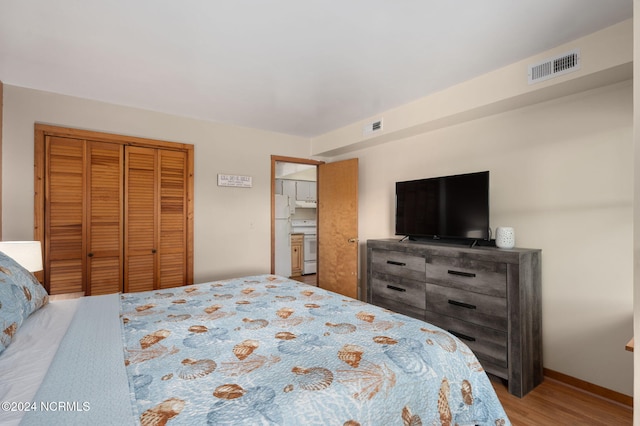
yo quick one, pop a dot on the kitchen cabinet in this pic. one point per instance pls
(306, 191)
(297, 254)
(299, 190)
(289, 188)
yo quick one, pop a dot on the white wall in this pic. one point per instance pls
(232, 225)
(561, 173)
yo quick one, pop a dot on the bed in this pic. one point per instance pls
(261, 350)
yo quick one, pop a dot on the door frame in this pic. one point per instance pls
(282, 159)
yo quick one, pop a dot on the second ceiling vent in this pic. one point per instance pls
(554, 67)
(372, 127)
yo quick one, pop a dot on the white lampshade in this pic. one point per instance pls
(26, 253)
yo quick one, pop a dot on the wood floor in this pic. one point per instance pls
(307, 279)
(555, 403)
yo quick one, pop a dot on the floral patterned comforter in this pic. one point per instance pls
(266, 350)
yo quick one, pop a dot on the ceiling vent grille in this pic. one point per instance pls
(373, 127)
(554, 67)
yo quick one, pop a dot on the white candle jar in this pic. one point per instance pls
(505, 237)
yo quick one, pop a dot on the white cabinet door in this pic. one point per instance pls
(313, 191)
(305, 190)
(289, 188)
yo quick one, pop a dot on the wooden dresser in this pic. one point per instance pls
(488, 297)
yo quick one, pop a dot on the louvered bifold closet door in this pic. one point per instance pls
(114, 213)
(104, 217)
(65, 266)
(83, 216)
(141, 219)
(173, 219)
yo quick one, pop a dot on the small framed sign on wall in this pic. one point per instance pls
(235, 181)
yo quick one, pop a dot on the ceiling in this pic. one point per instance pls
(300, 67)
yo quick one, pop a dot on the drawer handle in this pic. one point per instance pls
(393, 262)
(461, 304)
(461, 273)
(462, 336)
(392, 287)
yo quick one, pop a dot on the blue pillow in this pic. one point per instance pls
(20, 295)
(11, 313)
(34, 295)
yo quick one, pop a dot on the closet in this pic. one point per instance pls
(114, 213)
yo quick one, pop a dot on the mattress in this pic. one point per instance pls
(25, 362)
(256, 350)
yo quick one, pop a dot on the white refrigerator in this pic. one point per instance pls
(285, 207)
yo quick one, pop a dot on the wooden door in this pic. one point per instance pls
(64, 262)
(156, 224)
(100, 198)
(141, 212)
(173, 223)
(338, 227)
(104, 257)
(83, 216)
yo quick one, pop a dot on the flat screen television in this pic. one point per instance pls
(446, 207)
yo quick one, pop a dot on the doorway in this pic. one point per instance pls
(337, 224)
(294, 218)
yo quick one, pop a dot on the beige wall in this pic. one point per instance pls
(561, 173)
(232, 225)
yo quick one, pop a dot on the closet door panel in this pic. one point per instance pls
(64, 215)
(140, 276)
(141, 217)
(173, 219)
(104, 216)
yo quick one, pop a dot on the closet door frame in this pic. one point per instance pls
(41, 131)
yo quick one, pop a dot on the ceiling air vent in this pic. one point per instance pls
(372, 127)
(555, 67)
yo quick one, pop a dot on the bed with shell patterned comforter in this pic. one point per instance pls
(265, 350)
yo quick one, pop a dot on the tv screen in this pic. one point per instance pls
(444, 207)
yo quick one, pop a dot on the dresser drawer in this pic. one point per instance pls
(398, 263)
(489, 311)
(404, 290)
(487, 344)
(477, 276)
(397, 306)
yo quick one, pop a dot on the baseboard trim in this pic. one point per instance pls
(590, 387)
